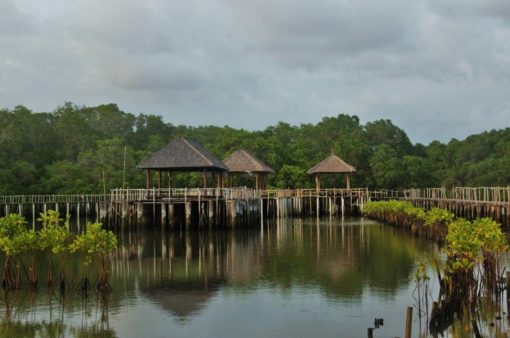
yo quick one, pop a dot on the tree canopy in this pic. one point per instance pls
(77, 149)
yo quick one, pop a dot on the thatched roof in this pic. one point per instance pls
(242, 161)
(183, 154)
(332, 164)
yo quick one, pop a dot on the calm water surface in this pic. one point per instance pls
(301, 278)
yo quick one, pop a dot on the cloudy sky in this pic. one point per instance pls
(438, 69)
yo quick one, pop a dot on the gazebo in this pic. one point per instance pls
(242, 161)
(183, 154)
(331, 165)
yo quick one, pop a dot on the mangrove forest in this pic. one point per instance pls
(77, 149)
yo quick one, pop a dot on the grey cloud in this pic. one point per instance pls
(13, 22)
(297, 32)
(487, 9)
(426, 64)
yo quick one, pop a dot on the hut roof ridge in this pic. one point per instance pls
(243, 161)
(331, 164)
(182, 154)
(196, 150)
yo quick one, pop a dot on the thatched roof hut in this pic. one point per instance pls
(182, 154)
(242, 161)
(331, 165)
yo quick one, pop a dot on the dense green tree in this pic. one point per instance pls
(385, 132)
(83, 150)
(290, 176)
(387, 169)
(418, 172)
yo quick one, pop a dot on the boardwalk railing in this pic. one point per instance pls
(492, 195)
(131, 195)
(303, 193)
(495, 195)
(41, 199)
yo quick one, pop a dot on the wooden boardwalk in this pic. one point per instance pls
(244, 205)
(195, 205)
(467, 202)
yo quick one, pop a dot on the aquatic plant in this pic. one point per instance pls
(473, 250)
(478, 242)
(29, 242)
(404, 214)
(95, 243)
(54, 239)
(438, 216)
(493, 245)
(12, 229)
(422, 291)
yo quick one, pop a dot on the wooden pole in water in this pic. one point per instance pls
(409, 321)
(163, 214)
(187, 206)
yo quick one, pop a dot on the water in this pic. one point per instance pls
(300, 278)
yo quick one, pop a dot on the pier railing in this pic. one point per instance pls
(487, 195)
(303, 193)
(495, 195)
(131, 195)
(41, 199)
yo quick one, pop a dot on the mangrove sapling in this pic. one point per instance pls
(12, 228)
(421, 292)
(95, 243)
(29, 243)
(54, 237)
(436, 221)
(463, 253)
(493, 244)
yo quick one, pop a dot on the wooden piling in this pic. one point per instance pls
(171, 214)
(187, 214)
(210, 207)
(163, 214)
(409, 321)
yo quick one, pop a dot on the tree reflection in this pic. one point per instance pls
(22, 318)
(181, 272)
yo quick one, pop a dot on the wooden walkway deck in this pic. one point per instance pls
(479, 195)
(230, 203)
(228, 194)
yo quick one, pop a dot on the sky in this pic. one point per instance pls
(438, 69)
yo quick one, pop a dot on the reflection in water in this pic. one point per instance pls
(341, 261)
(294, 278)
